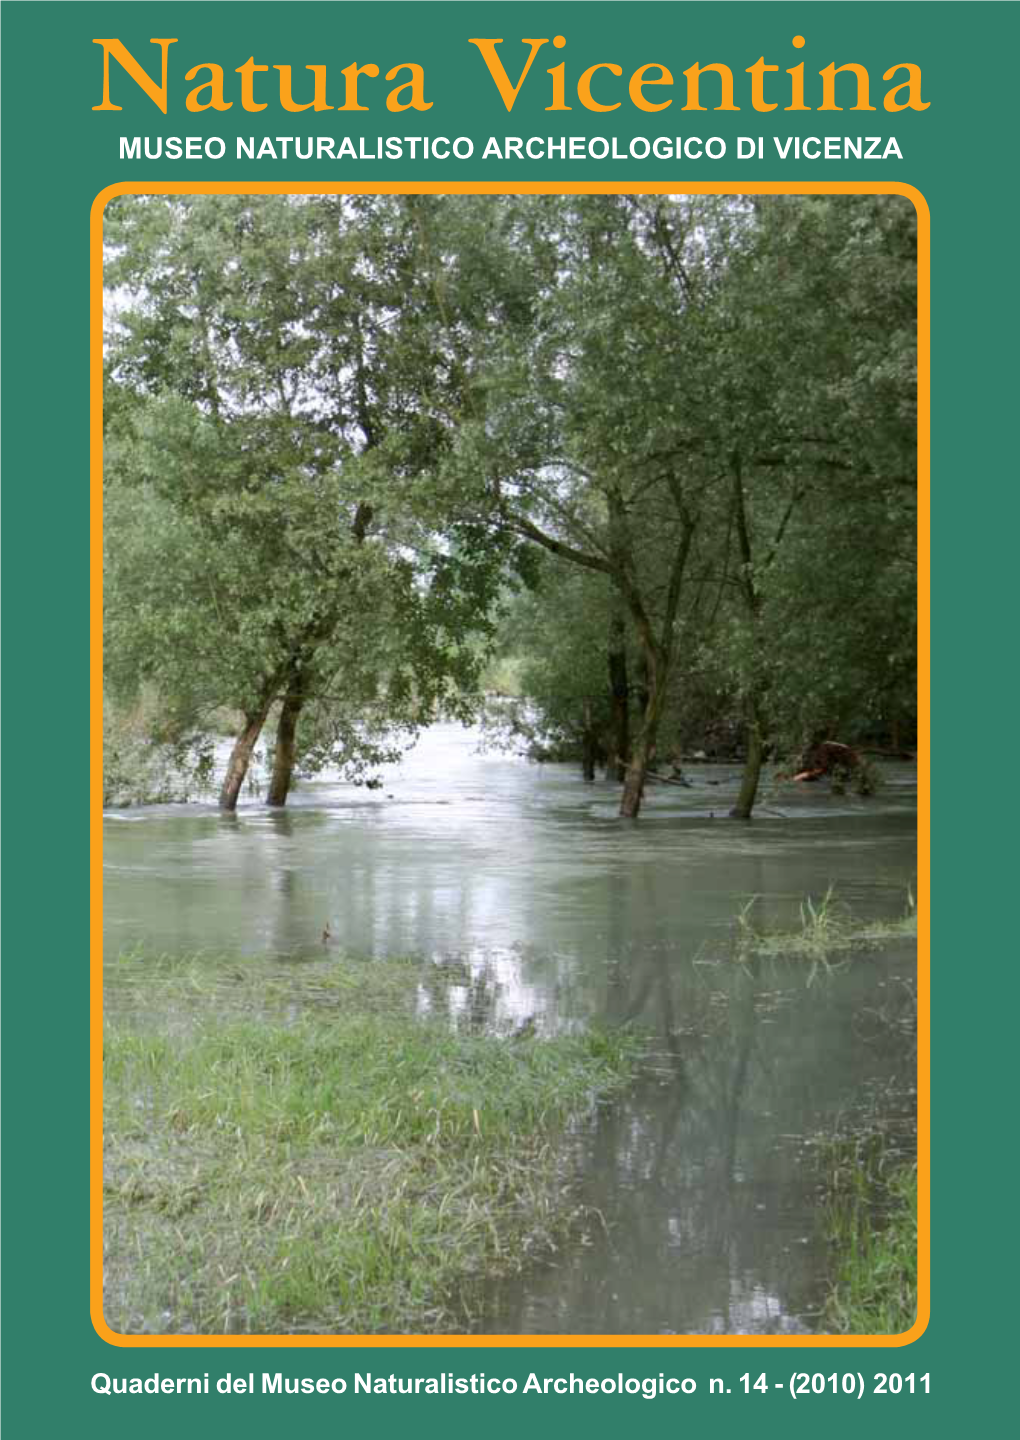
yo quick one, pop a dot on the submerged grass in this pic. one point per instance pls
(324, 1162)
(827, 927)
(871, 1223)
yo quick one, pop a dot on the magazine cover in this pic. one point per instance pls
(492, 450)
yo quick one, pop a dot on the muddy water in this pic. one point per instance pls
(700, 1188)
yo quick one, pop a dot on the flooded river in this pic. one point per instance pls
(701, 1185)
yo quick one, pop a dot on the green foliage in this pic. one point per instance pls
(282, 377)
(558, 630)
(740, 374)
(339, 427)
(142, 765)
(830, 498)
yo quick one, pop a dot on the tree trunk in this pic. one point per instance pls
(240, 756)
(643, 752)
(752, 599)
(285, 753)
(619, 693)
(589, 746)
(634, 781)
(644, 686)
(752, 767)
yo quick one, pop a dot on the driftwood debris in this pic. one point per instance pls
(824, 758)
(671, 779)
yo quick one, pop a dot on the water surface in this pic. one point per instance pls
(700, 1189)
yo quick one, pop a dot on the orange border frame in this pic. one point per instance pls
(96, 761)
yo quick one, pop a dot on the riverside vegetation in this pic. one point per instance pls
(871, 1223)
(657, 451)
(301, 1153)
(305, 1150)
(827, 929)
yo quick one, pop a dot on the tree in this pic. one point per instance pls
(593, 439)
(817, 386)
(559, 632)
(277, 539)
(339, 424)
(689, 409)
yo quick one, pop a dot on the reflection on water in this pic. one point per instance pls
(541, 907)
(703, 1180)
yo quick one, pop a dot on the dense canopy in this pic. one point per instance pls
(649, 462)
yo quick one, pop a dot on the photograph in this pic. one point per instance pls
(510, 733)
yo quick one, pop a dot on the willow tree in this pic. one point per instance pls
(708, 385)
(594, 442)
(342, 418)
(274, 538)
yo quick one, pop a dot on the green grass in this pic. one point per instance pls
(871, 1222)
(298, 1153)
(827, 927)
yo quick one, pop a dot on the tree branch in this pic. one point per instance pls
(526, 527)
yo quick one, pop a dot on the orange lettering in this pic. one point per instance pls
(638, 79)
(156, 93)
(584, 86)
(508, 92)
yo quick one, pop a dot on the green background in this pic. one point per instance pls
(58, 154)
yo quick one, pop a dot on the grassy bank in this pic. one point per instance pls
(298, 1153)
(871, 1221)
